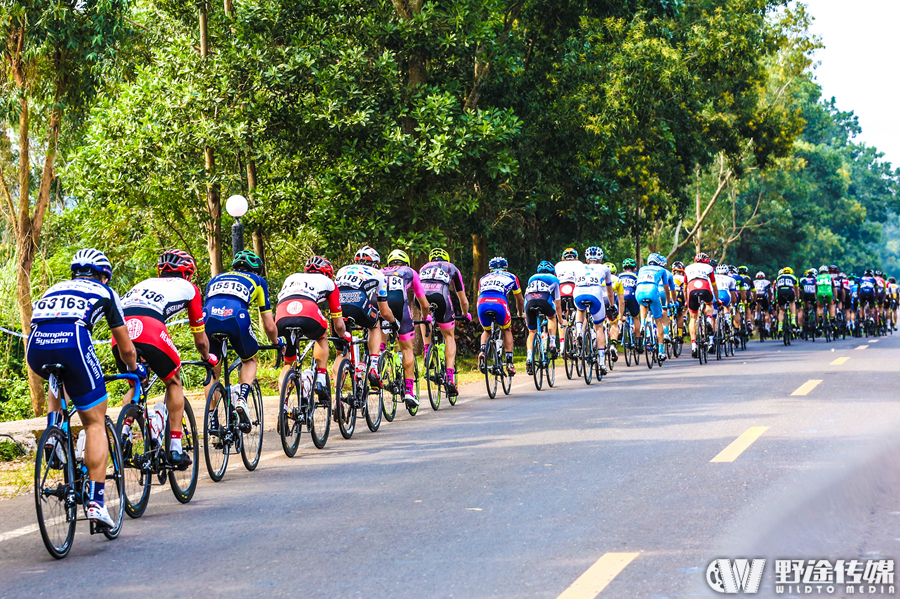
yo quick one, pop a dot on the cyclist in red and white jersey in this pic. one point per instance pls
(299, 307)
(148, 306)
(701, 286)
(567, 271)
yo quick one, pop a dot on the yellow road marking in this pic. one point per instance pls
(839, 361)
(737, 447)
(863, 346)
(595, 579)
(807, 387)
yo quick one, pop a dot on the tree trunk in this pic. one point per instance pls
(479, 260)
(213, 201)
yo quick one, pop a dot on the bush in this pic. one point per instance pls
(15, 401)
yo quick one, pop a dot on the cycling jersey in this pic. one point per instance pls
(762, 287)
(590, 290)
(493, 288)
(824, 288)
(700, 278)
(436, 278)
(785, 282)
(399, 280)
(726, 285)
(628, 281)
(880, 285)
(247, 288)
(298, 307)
(808, 288)
(568, 271)
(61, 325)
(361, 287)
(652, 281)
(541, 295)
(230, 297)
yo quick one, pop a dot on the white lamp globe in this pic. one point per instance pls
(236, 206)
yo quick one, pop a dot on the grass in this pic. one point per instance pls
(16, 477)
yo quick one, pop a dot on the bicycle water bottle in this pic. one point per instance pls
(360, 370)
(544, 338)
(158, 421)
(306, 382)
(79, 446)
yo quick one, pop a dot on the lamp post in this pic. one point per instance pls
(236, 206)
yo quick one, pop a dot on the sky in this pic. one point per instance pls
(858, 65)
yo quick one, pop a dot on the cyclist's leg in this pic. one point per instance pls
(531, 323)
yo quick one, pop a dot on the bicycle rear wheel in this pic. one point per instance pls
(52, 482)
(216, 444)
(135, 459)
(319, 416)
(505, 379)
(569, 358)
(649, 343)
(346, 398)
(390, 382)
(252, 440)
(289, 412)
(374, 406)
(434, 376)
(492, 368)
(113, 493)
(184, 482)
(588, 355)
(677, 345)
(537, 361)
(627, 342)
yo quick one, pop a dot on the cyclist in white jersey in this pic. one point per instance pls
(567, 271)
(593, 290)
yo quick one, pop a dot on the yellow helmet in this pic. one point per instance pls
(788, 270)
(612, 267)
(439, 255)
(398, 256)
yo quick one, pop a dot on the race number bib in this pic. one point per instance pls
(232, 288)
(395, 284)
(435, 274)
(61, 306)
(538, 287)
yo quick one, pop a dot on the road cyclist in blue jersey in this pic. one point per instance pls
(593, 291)
(542, 297)
(493, 307)
(628, 301)
(655, 283)
(61, 325)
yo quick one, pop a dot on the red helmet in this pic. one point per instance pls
(702, 257)
(320, 265)
(177, 261)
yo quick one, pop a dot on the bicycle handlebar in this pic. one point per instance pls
(278, 356)
(204, 364)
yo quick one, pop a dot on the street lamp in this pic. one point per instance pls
(236, 206)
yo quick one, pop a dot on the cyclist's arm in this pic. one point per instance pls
(337, 314)
(126, 347)
(463, 301)
(268, 326)
(419, 292)
(385, 310)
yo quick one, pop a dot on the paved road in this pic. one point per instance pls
(610, 485)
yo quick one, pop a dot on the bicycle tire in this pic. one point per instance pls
(289, 424)
(649, 350)
(434, 376)
(677, 345)
(137, 482)
(505, 378)
(374, 406)
(184, 482)
(551, 372)
(568, 359)
(216, 447)
(386, 369)
(319, 419)
(627, 343)
(346, 389)
(588, 354)
(537, 360)
(251, 442)
(114, 482)
(55, 519)
(491, 364)
(410, 408)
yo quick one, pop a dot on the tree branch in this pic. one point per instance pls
(712, 202)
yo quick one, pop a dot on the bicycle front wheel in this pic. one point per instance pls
(184, 482)
(319, 418)
(345, 401)
(588, 355)
(216, 444)
(537, 361)
(392, 383)
(569, 356)
(492, 367)
(374, 406)
(52, 483)
(289, 413)
(135, 459)
(252, 439)
(114, 485)
(434, 376)
(413, 409)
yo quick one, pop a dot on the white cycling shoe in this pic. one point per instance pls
(242, 409)
(411, 400)
(99, 515)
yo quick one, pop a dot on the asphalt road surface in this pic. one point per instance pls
(627, 488)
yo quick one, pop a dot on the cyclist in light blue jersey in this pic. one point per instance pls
(652, 281)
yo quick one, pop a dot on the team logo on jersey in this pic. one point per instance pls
(295, 308)
(135, 328)
(221, 311)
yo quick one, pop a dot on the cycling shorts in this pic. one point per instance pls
(763, 302)
(68, 344)
(309, 327)
(866, 299)
(399, 305)
(152, 341)
(725, 297)
(825, 296)
(632, 306)
(357, 307)
(442, 309)
(592, 301)
(785, 297)
(536, 306)
(493, 309)
(808, 297)
(650, 297)
(699, 295)
(237, 328)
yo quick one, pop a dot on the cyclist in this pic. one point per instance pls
(61, 325)
(701, 285)
(593, 291)
(652, 280)
(867, 293)
(148, 306)
(363, 299)
(880, 286)
(567, 271)
(825, 293)
(786, 292)
(851, 303)
(678, 277)
(762, 288)
(493, 307)
(400, 279)
(808, 287)
(892, 299)
(742, 285)
(230, 297)
(299, 308)
(542, 296)
(612, 311)
(437, 277)
(727, 290)
(628, 301)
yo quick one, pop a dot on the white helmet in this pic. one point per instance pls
(91, 261)
(367, 255)
(593, 253)
(814, 271)
(722, 269)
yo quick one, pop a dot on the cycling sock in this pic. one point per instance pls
(410, 386)
(175, 441)
(245, 391)
(53, 418)
(373, 361)
(693, 344)
(484, 349)
(601, 352)
(530, 355)
(666, 330)
(579, 328)
(451, 372)
(509, 357)
(662, 348)
(425, 349)
(95, 492)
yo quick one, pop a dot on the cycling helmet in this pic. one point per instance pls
(722, 269)
(892, 280)
(628, 263)
(678, 265)
(833, 269)
(787, 270)
(655, 259)
(868, 272)
(702, 257)
(760, 275)
(878, 273)
(546, 267)
(742, 270)
(570, 254)
(247, 260)
(843, 275)
(813, 271)
(612, 267)
(809, 272)
(714, 263)
(320, 265)
(732, 270)
(852, 277)
(177, 261)
(398, 256)
(367, 255)
(593, 253)
(90, 261)
(823, 269)
(439, 255)
(498, 263)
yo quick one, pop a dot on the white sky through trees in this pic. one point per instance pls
(859, 65)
